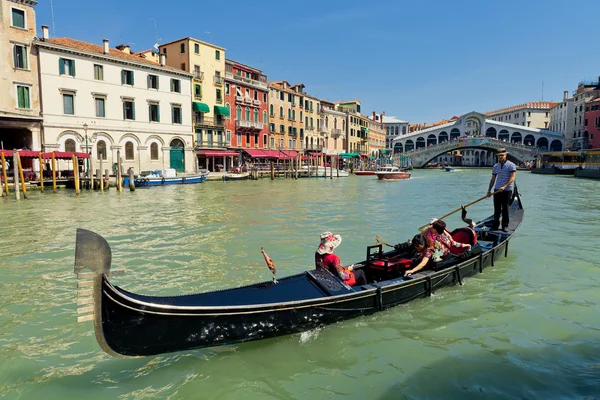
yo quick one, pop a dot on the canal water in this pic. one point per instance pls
(527, 328)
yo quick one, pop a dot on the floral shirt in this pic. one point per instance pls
(441, 244)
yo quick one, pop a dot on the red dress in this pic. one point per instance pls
(333, 263)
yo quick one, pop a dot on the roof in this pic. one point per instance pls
(94, 49)
(392, 120)
(347, 102)
(542, 105)
(239, 64)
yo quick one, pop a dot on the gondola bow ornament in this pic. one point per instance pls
(270, 263)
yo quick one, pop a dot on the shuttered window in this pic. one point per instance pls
(20, 56)
(154, 151)
(98, 72)
(66, 66)
(23, 99)
(68, 104)
(176, 114)
(129, 110)
(100, 107)
(18, 18)
(127, 77)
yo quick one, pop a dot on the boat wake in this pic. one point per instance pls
(309, 336)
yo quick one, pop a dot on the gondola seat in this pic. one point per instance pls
(464, 235)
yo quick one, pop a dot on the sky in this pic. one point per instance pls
(421, 61)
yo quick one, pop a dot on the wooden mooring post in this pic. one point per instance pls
(53, 173)
(76, 174)
(131, 179)
(4, 173)
(16, 175)
(41, 158)
(21, 175)
(119, 178)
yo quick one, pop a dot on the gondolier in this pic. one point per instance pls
(503, 176)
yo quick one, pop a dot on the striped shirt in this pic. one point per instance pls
(502, 172)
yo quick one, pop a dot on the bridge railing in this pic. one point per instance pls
(472, 141)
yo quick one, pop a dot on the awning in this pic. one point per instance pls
(349, 155)
(287, 154)
(64, 155)
(217, 153)
(362, 128)
(200, 107)
(219, 110)
(255, 153)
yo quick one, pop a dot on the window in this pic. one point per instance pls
(217, 55)
(239, 138)
(271, 112)
(129, 151)
(182, 66)
(281, 112)
(176, 114)
(198, 91)
(66, 66)
(219, 96)
(165, 51)
(18, 18)
(247, 114)
(152, 82)
(238, 113)
(264, 97)
(100, 107)
(101, 150)
(154, 112)
(182, 48)
(154, 151)
(23, 97)
(127, 77)
(256, 95)
(196, 48)
(175, 85)
(247, 138)
(128, 109)
(20, 56)
(255, 115)
(68, 104)
(247, 93)
(98, 72)
(70, 146)
(227, 88)
(264, 117)
(281, 96)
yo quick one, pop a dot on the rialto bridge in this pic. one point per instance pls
(474, 131)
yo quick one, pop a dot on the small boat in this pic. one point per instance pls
(392, 173)
(365, 173)
(449, 169)
(128, 324)
(165, 177)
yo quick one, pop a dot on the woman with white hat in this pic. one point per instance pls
(324, 258)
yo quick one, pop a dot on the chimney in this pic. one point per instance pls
(565, 95)
(105, 45)
(374, 116)
(163, 59)
(45, 35)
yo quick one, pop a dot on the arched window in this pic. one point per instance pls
(238, 113)
(255, 115)
(326, 122)
(335, 123)
(396, 131)
(70, 145)
(271, 110)
(154, 151)
(247, 114)
(129, 151)
(265, 120)
(281, 112)
(344, 125)
(404, 130)
(101, 150)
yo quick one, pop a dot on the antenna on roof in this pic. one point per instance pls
(155, 33)
(52, 12)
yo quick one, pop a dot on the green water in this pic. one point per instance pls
(528, 328)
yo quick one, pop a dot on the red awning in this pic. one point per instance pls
(287, 154)
(254, 153)
(64, 155)
(7, 153)
(217, 153)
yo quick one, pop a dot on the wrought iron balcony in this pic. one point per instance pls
(199, 75)
(219, 100)
(208, 122)
(212, 144)
(251, 82)
(336, 133)
(256, 102)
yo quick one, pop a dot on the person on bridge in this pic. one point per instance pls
(503, 178)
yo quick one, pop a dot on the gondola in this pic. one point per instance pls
(131, 325)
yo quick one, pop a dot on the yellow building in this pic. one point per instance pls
(207, 62)
(20, 120)
(312, 120)
(376, 135)
(286, 115)
(358, 127)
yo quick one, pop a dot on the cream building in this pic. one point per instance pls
(206, 62)
(535, 114)
(20, 121)
(333, 130)
(561, 116)
(312, 120)
(377, 135)
(286, 115)
(586, 91)
(358, 127)
(103, 100)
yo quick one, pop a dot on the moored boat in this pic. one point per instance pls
(392, 173)
(449, 169)
(131, 325)
(165, 177)
(365, 173)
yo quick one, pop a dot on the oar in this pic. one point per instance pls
(378, 239)
(461, 207)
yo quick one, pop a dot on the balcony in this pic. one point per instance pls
(310, 129)
(199, 76)
(336, 133)
(324, 129)
(256, 102)
(316, 147)
(219, 100)
(208, 122)
(249, 124)
(239, 99)
(212, 144)
(247, 100)
(218, 80)
(250, 82)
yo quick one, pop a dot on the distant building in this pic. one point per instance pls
(586, 92)
(286, 105)
(333, 128)
(377, 135)
(394, 128)
(592, 123)
(100, 100)
(20, 120)
(561, 116)
(358, 127)
(535, 114)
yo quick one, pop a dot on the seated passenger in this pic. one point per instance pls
(441, 240)
(424, 254)
(324, 258)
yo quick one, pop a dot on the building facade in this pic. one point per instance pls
(561, 116)
(20, 120)
(592, 123)
(312, 121)
(286, 115)
(333, 129)
(535, 114)
(585, 93)
(358, 127)
(247, 93)
(377, 136)
(102, 100)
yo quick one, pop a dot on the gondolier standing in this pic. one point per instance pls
(503, 176)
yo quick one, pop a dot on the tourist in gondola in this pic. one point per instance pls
(503, 178)
(324, 258)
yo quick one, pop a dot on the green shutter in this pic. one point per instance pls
(171, 85)
(72, 67)
(132, 78)
(122, 77)
(124, 110)
(26, 96)
(180, 115)
(172, 114)
(157, 113)
(133, 110)
(157, 82)
(20, 100)
(148, 81)
(61, 66)
(149, 112)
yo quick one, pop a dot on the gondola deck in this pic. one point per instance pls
(130, 324)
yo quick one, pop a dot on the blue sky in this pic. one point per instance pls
(418, 60)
